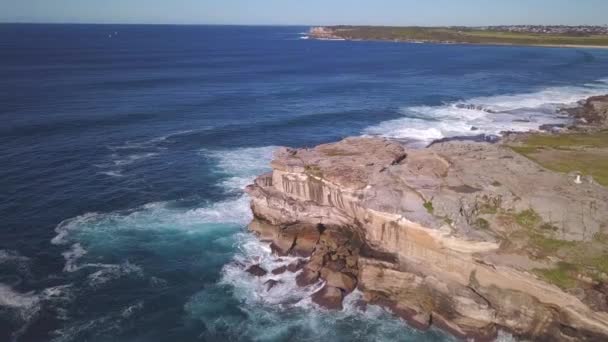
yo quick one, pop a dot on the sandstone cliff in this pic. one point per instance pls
(470, 237)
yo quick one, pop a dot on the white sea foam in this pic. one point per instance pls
(9, 256)
(112, 173)
(274, 314)
(254, 289)
(13, 299)
(130, 145)
(242, 164)
(109, 273)
(131, 158)
(487, 115)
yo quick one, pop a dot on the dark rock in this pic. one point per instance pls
(272, 283)
(279, 270)
(552, 127)
(296, 266)
(329, 297)
(257, 271)
(307, 277)
(476, 138)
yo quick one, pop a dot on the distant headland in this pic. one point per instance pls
(536, 35)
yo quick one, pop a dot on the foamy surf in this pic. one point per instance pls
(241, 165)
(276, 313)
(487, 115)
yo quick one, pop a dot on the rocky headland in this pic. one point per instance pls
(467, 236)
(595, 37)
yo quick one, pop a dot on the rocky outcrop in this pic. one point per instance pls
(321, 32)
(450, 236)
(592, 111)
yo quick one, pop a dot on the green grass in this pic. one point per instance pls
(568, 141)
(528, 218)
(463, 35)
(550, 246)
(429, 207)
(586, 153)
(601, 238)
(564, 275)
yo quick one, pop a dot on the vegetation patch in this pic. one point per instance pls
(550, 246)
(428, 205)
(481, 223)
(582, 152)
(464, 35)
(528, 218)
(564, 275)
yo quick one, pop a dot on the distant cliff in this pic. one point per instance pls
(462, 35)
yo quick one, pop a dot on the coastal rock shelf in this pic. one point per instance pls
(466, 236)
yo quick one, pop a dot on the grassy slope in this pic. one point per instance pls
(586, 153)
(464, 36)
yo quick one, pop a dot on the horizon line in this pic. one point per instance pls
(270, 25)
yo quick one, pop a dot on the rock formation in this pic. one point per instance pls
(592, 111)
(460, 235)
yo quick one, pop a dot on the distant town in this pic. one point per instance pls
(537, 35)
(551, 29)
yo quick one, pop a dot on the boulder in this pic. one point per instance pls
(329, 297)
(343, 281)
(306, 241)
(296, 266)
(279, 270)
(256, 270)
(307, 277)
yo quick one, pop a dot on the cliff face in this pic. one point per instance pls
(457, 235)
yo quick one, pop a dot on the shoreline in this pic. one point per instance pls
(460, 277)
(457, 36)
(564, 46)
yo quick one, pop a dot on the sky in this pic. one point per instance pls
(309, 12)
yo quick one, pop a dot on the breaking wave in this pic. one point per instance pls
(286, 310)
(487, 115)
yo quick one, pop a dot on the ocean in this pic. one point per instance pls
(124, 150)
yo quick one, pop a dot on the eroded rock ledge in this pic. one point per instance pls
(457, 235)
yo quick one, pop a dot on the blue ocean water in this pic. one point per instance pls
(124, 150)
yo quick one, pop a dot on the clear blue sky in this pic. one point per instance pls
(309, 12)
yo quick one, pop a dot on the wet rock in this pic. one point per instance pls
(279, 270)
(307, 277)
(272, 283)
(329, 297)
(257, 271)
(296, 266)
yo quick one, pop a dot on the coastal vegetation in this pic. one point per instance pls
(461, 35)
(586, 153)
